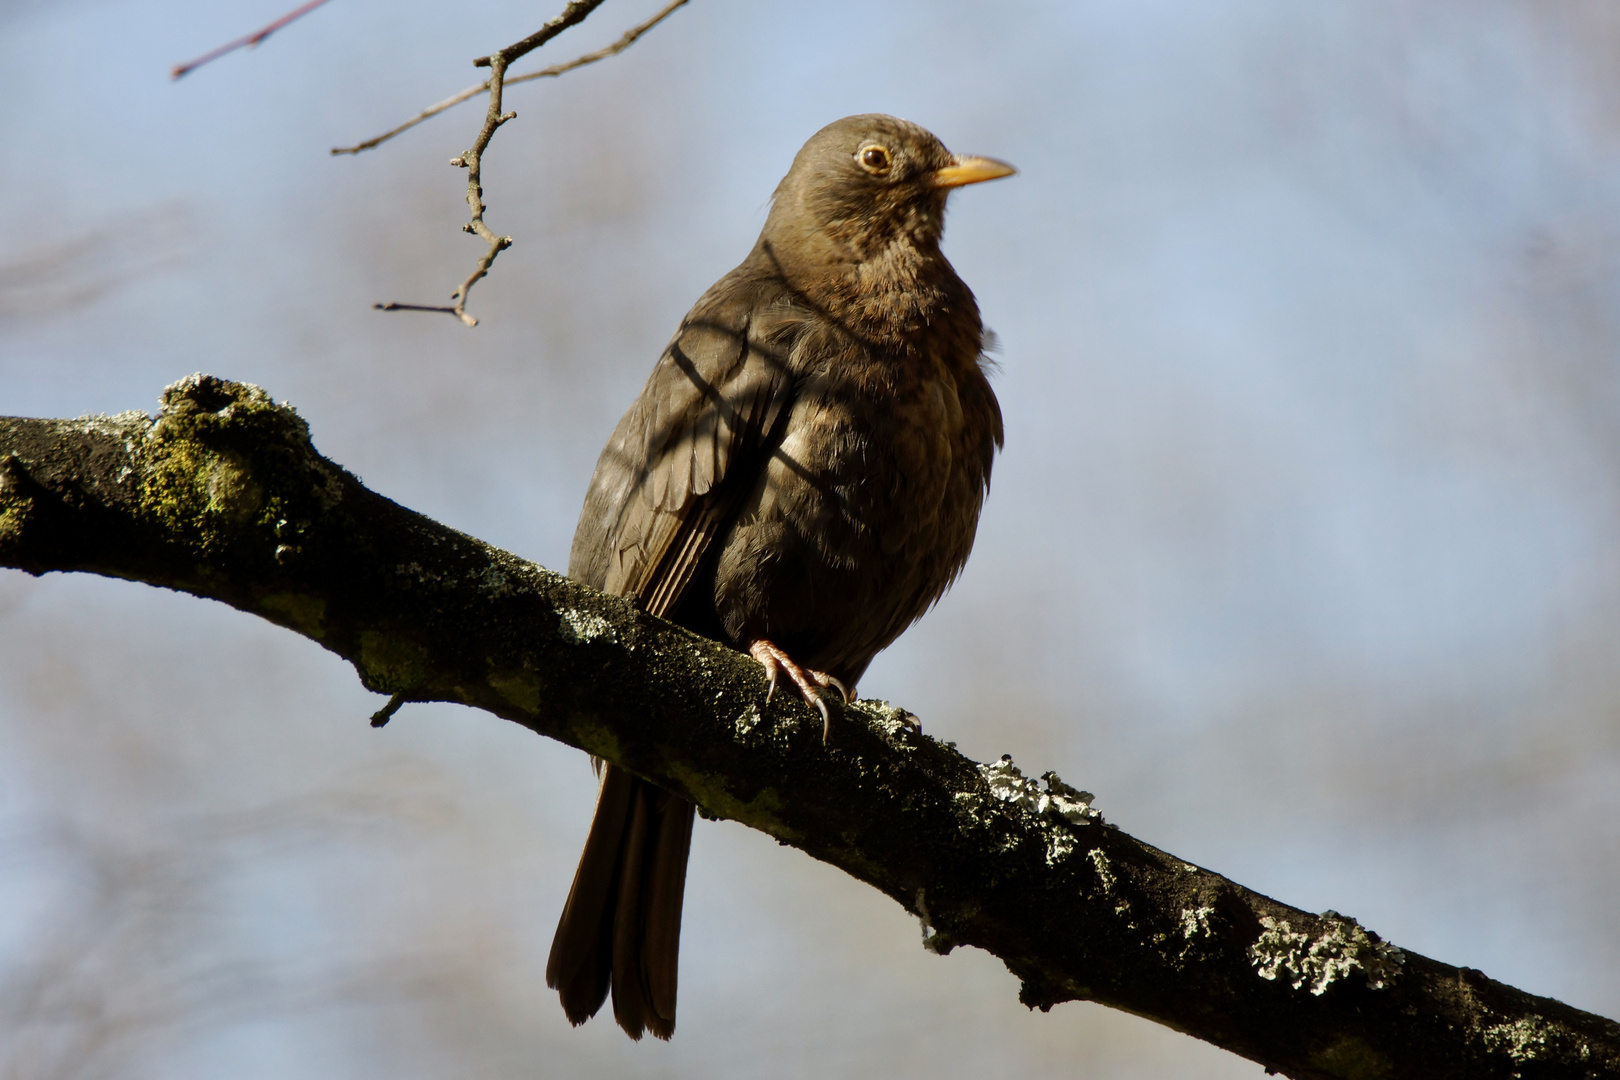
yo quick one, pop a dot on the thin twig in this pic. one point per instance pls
(572, 15)
(431, 110)
(472, 160)
(392, 306)
(630, 37)
(249, 41)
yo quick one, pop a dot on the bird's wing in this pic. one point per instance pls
(668, 481)
(687, 450)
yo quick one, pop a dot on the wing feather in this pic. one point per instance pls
(685, 452)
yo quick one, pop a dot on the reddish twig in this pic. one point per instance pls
(245, 42)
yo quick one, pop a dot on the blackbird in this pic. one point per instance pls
(800, 478)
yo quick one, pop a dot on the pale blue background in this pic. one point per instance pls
(1304, 554)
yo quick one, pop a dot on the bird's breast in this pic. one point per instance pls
(869, 460)
(864, 513)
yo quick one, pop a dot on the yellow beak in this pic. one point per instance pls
(967, 169)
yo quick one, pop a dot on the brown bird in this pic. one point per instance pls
(800, 478)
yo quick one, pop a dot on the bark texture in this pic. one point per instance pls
(223, 496)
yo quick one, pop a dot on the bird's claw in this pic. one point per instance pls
(810, 682)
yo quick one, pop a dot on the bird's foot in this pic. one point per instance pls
(810, 682)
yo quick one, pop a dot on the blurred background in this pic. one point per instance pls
(1303, 555)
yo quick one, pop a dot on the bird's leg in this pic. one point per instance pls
(809, 682)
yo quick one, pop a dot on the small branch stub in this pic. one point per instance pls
(381, 717)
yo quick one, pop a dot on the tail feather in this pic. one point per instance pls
(583, 946)
(666, 888)
(630, 1005)
(621, 925)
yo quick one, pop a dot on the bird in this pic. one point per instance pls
(801, 478)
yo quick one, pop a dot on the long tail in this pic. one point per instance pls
(621, 926)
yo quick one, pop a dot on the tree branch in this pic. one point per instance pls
(223, 496)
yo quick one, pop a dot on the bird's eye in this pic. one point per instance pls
(874, 159)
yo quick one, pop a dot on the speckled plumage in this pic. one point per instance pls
(806, 466)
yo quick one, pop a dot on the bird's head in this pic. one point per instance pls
(864, 183)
